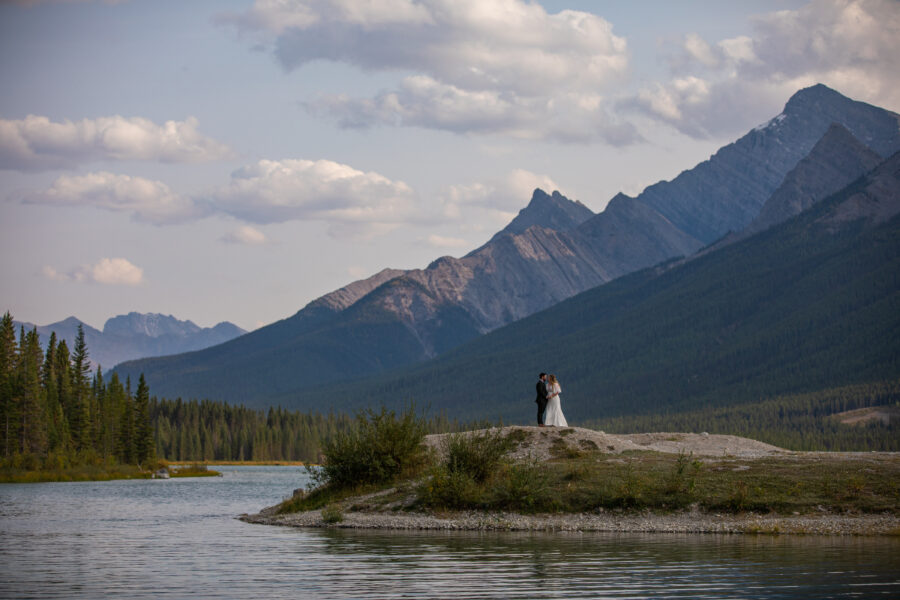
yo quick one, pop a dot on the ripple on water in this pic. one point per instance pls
(179, 538)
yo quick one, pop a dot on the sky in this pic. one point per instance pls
(226, 160)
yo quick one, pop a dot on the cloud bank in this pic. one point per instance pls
(36, 143)
(347, 200)
(480, 66)
(850, 45)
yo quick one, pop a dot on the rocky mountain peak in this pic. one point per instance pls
(553, 211)
(817, 107)
(835, 161)
(150, 324)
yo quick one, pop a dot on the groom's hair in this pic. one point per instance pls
(541, 376)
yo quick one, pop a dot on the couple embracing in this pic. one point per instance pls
(549, 408)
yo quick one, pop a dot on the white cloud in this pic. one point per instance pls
(481, 66)
(424, 102)
(146, 200)
(851, 45)
(246, 235)
(35, 143)
(108, 271)
(349, 200)
(440, 241)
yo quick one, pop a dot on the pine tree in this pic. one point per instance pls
(32, 424)
(80, 416)
(8, 352)
(143, 434)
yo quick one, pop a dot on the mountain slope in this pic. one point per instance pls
(809, 304)
(834, 162)
(137, 335)
(551, 251)
(727, 191)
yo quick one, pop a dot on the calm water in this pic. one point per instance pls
(179, 538)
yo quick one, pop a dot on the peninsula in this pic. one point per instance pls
(575, 479)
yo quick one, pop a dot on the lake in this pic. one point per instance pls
(179, 538)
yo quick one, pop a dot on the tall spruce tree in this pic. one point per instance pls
(32, 421)
(143, 434)
(80, 415)
(8, 352)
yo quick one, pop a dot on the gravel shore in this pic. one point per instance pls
(536, 446)
(682, 522)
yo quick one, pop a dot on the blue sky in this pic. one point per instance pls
(233, 160)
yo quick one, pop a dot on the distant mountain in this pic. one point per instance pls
(555, 248)
(809, 304)
(137, 335)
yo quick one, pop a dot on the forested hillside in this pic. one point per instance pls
(808, 305)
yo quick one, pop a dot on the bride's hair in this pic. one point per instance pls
(552, 378)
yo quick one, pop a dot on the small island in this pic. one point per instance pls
(574, 479)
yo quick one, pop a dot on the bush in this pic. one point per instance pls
(524, 486)
(476, 454)
(332, 514)
(378, 448)
(450, 490)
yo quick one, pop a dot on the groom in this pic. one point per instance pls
(541, 398)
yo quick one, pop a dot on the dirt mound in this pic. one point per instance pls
(541, 443)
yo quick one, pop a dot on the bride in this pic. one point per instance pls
(554, 415)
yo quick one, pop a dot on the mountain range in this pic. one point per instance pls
(810, 304)
(137, 335)
(554, 249)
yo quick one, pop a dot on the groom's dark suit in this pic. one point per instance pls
(541, 400)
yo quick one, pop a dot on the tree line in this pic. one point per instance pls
(56, 412)
(204, 430)
(797, 422)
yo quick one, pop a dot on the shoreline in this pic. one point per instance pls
(732, 460)
(692, 521)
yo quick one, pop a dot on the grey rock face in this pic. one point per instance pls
(554, 212)
(726, 192)
(835, 161)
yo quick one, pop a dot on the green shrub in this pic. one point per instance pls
(332, 514)
(523, 486)
(477, 454)
(378, 448)
(450, 490)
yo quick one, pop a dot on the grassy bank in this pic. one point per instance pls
(102, 471)
(476, 471)
(76, 473)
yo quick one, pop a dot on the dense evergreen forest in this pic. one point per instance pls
(188, 431)
(796, 422)
(55, 413)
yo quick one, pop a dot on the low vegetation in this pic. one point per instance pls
(475, 471)
(380, 448)
(594, 481)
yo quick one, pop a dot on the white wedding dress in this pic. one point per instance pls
(553, 414)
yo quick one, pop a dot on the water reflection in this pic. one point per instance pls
(179, 538)
(571, 565)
